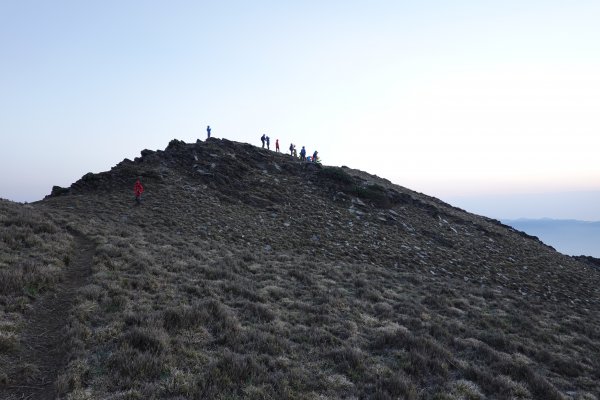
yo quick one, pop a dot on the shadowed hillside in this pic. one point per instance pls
(249, 274)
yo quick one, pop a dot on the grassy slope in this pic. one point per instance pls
(34, 252)
(246, 274)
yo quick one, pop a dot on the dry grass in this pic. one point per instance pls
(203, 320)
(206, 292)
(34, 252)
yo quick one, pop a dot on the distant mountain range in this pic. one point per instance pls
(571, 237)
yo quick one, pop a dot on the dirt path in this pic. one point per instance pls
(43, 351)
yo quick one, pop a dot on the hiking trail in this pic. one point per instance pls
(43, 351)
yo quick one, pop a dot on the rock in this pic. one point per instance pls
(358, 202)
(355, 211)
(59, 191)
(175, 144)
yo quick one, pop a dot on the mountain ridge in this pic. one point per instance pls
(247, 273)
(571, 237)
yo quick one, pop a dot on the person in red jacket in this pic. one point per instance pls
(138, 189)
(277, 146)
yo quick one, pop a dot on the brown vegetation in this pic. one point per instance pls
(247, 274)
(34, 255)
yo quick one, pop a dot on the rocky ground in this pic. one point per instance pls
(249, 274)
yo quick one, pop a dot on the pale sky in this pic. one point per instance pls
(462, 100)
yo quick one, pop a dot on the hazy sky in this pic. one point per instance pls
(463, 100)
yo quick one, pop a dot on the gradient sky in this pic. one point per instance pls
(475, 102)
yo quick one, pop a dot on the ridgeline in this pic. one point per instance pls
(246, 273)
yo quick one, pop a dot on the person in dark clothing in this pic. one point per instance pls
(208, 132)
(314, 157)
(292, 149)
(303, 154)
(268, 139)
(262, 139)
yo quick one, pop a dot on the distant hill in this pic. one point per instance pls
(570, 237)
(249, 274)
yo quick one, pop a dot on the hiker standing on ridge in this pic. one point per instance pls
(138, 189)
(268, 139)
(262, 139)
(303, 154)
(208, 132)
(292, 149)
(314, 157)
(277, 146)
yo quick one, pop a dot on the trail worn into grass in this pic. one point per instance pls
(43, 352)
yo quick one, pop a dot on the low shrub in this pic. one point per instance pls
(336, 175)
(259, 312)
(229, 374)
(375, 193)
(8, 342)
(396, 385)
(146, 340)
(183, 317)
(130, 365)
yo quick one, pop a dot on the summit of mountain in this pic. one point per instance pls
(246, 273)
(204, 181)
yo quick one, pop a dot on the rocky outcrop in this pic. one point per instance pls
(58, 191)
(595, 262)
